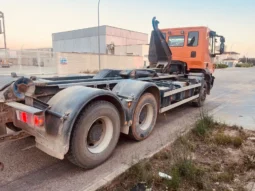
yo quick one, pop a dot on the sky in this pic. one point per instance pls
(30, 23)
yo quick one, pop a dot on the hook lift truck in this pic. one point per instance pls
(81, 118)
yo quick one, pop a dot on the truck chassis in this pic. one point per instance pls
(81, 118)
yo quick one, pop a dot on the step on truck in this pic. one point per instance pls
(81, 118)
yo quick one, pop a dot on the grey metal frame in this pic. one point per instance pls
(164, 109)
(172, 92)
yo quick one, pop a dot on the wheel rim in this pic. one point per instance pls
(100, 135)
(145, 117)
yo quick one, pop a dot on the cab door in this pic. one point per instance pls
(192, 44)
(194, 49)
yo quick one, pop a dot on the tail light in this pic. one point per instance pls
(23, 117)
(38, 120)
(30, 119)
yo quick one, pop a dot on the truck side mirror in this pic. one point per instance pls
(222, 48)
(222, 45)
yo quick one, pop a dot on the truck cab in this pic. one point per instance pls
(195, 46)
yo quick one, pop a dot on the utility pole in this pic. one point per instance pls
(231, 49)
(99, 63)
(246, 55)
(2, 31)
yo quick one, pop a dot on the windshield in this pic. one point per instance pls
(175, 41)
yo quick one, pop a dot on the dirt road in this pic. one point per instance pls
(27, 168)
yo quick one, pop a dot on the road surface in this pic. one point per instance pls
(27, 168)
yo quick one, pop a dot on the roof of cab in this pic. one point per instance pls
(185, 28)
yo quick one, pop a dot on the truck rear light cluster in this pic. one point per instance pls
(30, 119)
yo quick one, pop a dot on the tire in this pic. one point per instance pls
(95, 135)
(202, 97)
(144, 118)
(3, 129)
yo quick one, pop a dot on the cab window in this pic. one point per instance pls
(193, 38)
(175, 41)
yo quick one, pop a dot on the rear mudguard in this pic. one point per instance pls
(69, 103)
(209, 78)
(131, 91)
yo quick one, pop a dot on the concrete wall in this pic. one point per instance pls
(86, 40)
(139, 50)
(124, 37)
(77, 63)
(80, 45)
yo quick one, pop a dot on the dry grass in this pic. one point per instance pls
(204, 126)
(222, 139)
(224, 177)
(199, 160)
(249, 161)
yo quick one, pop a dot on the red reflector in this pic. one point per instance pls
(23, 117)
(38, 120)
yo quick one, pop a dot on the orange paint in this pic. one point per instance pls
(183, 53)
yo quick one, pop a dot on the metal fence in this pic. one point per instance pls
(27, 62)
(35, 62)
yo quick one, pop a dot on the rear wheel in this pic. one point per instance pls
(144, 118)
(202, 96)
(95, 135)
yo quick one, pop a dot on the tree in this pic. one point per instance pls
(246, 59)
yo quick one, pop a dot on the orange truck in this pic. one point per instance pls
(190, 49)
(81, 118)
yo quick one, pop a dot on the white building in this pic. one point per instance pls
(134, 50)
(86, 40)
(228, 58)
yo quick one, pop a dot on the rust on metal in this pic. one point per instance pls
(22, 87)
